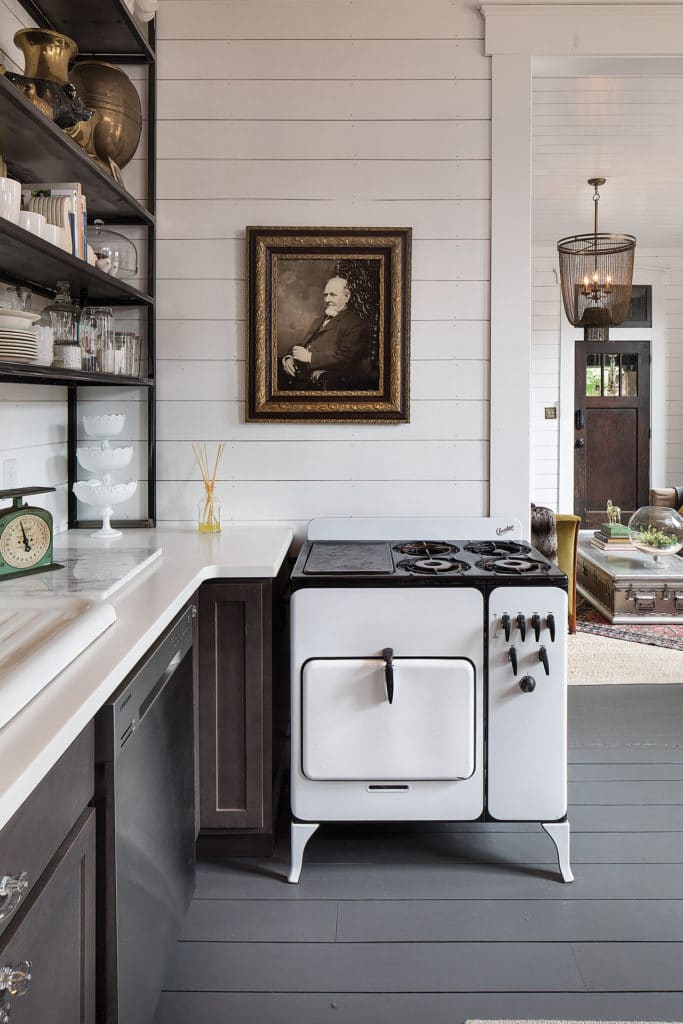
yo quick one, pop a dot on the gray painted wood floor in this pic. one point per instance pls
(438, 923)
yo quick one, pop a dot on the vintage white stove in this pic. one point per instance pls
(429, 677)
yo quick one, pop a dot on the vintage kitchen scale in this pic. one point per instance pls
(26, 535)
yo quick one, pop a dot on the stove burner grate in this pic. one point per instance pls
(514, 566)
(430, 548)
(432, 566)
(497, 548)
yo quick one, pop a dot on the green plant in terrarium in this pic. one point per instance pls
(657, 538)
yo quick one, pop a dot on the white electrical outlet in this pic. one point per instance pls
(9, 474)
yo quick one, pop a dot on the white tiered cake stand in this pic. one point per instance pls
(101, 493)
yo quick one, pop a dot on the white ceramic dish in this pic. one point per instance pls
(10, 199)
(104, 460)
(105, 425)
(101, 495)
(33, 222)
(13, 319)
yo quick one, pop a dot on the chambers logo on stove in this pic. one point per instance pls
(500, 530)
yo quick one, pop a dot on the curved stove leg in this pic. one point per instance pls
(559, 833)
(301, 832)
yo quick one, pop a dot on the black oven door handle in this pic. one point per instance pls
(388, 655)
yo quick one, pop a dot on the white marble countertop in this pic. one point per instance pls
(32, 742)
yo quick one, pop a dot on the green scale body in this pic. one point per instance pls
(26, 535)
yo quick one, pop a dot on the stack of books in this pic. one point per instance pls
(612, 537)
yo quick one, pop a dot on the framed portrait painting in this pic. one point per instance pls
(328, 321)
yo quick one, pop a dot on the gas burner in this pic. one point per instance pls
(514, 566)
(430, 548)
(497, 548)
(432, 566)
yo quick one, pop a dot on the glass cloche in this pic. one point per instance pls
(115, 254)
(656, 530)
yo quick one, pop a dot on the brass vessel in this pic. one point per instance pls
(47, 54)
(117, 124)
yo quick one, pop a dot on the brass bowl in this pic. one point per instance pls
(47, 54)
(107, 90)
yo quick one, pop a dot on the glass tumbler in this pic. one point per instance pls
(96, 334)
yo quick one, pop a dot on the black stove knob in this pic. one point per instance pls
(527, 684)
(543, 658)
(505, 623)
(536, 625)
(512, 655)
(550, 623)
(521, 625)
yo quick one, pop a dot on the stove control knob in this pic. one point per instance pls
(543, 658)
(550, 623)
(527, 684)
(505, 623)
(536, 625)
(521, 625)
(512, 655)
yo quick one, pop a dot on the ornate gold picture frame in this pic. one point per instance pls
(328, 324)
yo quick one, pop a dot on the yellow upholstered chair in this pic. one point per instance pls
(567, 545)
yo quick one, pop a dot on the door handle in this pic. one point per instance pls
(579, 419)
(388, 654)
(580, 443)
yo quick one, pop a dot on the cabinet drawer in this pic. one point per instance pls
(33, 835)
(55, 931)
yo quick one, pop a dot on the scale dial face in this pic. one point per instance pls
(24, 541)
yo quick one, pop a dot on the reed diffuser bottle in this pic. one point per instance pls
(208, 508)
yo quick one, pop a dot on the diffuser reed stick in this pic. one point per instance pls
(209, 519)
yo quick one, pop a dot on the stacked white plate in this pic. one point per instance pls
(18, 343)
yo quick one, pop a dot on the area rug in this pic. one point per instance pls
(588, 620)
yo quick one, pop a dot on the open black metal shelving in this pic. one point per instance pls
(37, 150)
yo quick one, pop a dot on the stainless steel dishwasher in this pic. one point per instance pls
(145, 794)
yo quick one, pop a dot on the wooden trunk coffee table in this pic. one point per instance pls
(626, 587)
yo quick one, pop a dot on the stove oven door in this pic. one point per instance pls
(410, 720)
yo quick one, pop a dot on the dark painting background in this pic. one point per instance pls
(299, 297)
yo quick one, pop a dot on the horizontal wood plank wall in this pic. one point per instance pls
(674, 373)
(295, 112)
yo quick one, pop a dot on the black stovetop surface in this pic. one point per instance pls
(423, 563)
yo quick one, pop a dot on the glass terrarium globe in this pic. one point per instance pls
(115, 254)
(656, 530)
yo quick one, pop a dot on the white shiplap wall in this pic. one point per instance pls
(323, 112)
(305, 112)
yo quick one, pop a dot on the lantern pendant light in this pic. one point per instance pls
(596, 273)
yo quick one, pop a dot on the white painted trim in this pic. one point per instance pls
(510, 464)
(516, 34)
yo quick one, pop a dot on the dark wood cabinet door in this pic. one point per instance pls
(611, 428)
(235, 709)
(55, 931)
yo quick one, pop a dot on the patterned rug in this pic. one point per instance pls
(588, 620)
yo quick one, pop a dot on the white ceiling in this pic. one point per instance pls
(617, 120)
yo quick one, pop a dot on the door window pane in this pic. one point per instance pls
(610, 375)
(593, 374)
(629, 375)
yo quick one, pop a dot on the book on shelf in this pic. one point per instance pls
(77, 209)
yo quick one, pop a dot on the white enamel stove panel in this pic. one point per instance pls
(527, 714)
(345, 623)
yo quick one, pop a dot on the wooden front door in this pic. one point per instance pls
(611, 428)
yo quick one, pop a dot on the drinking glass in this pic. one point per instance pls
(96, 333)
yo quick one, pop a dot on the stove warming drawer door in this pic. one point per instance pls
(351, 730)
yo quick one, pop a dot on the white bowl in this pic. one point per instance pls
(104, 460)
(146, 9)
(106, 425)
(10, 199)
(101, 495)
(33, 222)
(17, 319)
